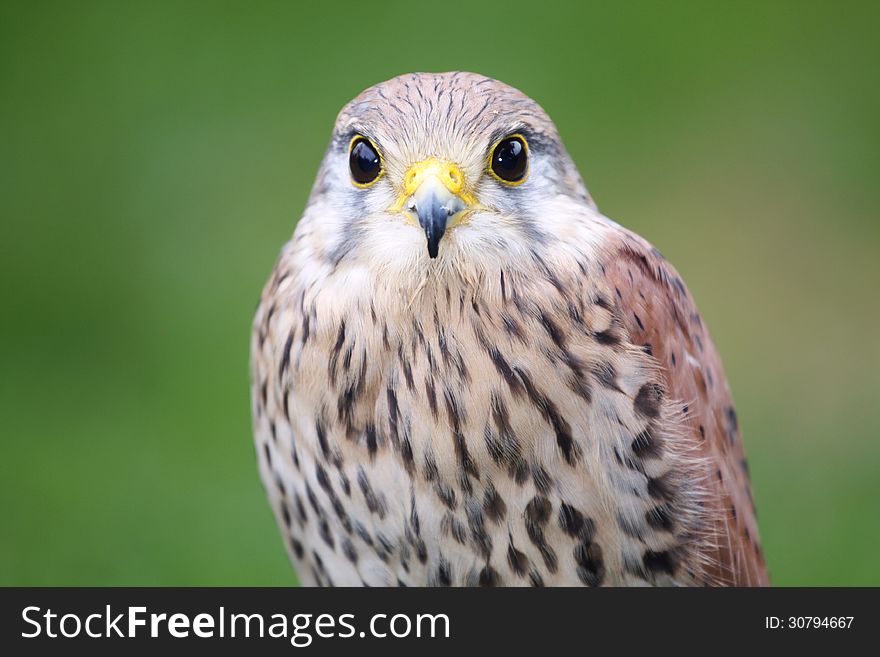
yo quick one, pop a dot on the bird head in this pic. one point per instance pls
(433, 170)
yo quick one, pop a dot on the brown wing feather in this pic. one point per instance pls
(660, 314)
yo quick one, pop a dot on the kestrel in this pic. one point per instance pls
(464, 374)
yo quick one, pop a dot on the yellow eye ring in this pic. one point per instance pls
(364, 162)
(510, 165)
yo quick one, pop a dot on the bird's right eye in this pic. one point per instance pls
(364, 162)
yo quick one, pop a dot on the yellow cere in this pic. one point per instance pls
(446, 172)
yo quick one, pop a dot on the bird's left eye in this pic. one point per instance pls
(509, 160)
(364, 162)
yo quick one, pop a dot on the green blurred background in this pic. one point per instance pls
(155, 156)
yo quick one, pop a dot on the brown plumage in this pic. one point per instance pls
(464, 374)
(664, 319)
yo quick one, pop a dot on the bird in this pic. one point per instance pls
(464, 374)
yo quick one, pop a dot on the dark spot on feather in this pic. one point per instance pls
(607, 337)
(392, 414)
(493, 505)
(369, 494)
(326, 535)
(591, 568)
(446, 495)
(300, 509)
(334, 352)
(313, 501)
(285, 357)
(349, 551)
(493, 446)
(407, 452)
(538, 511)
(451, 524)
(453, 410)
(481, 539)
(661, 488)
(323, 481)
(322, 439)
(659, 562)
(340, 512)
(444, 573)
(648, 400)
(645, 445)
(430, 468)
(519, 471)
(504, 369)
(536, 515)
(732, 424)
(570, 450)
(362, 532)
(553, 331)
(660, 517)
(574, 523)
(518, 561)
(489, 577)
(407, 373)
(541, 479)
(371, 440)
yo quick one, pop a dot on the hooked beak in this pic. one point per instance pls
(433, 192)
(433, 204)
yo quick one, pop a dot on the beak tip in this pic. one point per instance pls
(433, 245)
(434, 204)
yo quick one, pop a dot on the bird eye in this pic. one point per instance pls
(509, 159)
(364, 162)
